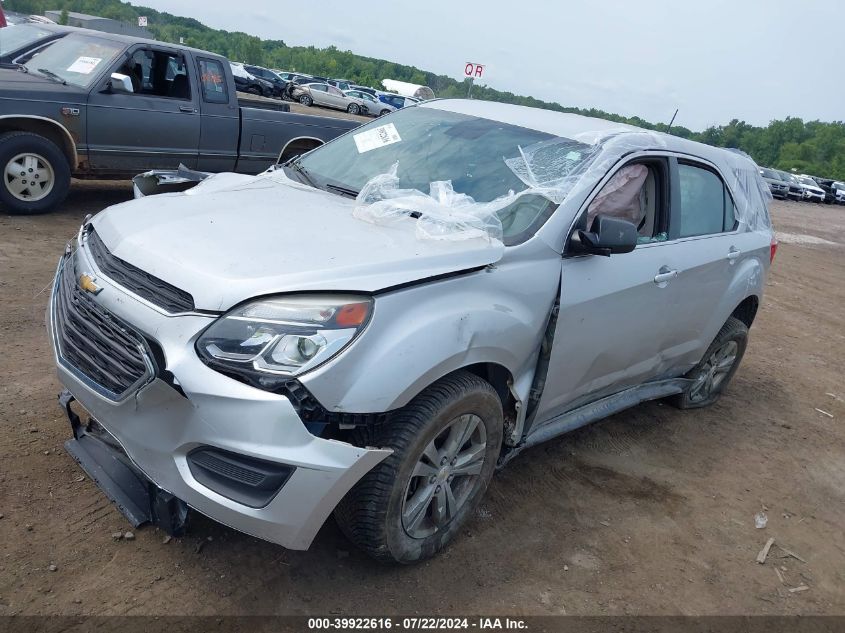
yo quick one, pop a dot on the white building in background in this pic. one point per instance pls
(407, 89)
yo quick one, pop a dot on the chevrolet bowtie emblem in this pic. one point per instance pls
(86, 282)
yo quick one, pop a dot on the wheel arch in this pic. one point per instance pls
(299, 145)
(747, 310)
(42, 126)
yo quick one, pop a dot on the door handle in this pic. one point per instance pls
(733, 253)
(187, 109)
(665, 275)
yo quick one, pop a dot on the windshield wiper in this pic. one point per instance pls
(344, 191)
(297, 167)
(50, 74)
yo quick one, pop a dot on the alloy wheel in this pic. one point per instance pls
(444, 477)
(714, 372)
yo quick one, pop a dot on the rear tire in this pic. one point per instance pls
(445, 446)
(306, 100)
(353, 109)
(716, 368)
(35, 173)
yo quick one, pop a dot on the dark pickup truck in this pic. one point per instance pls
(97, 105)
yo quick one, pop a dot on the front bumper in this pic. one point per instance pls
(812, 195)
(185, 406)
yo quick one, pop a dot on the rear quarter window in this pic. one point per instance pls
(213, 81)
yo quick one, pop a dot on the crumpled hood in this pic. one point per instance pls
(233, 238)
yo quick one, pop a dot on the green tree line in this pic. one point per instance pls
(813, 147)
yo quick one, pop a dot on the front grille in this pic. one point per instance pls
(93, 342)
(135, 280)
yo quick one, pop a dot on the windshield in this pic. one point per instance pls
(807, 181)
(19, 36)
(429, 145)
(75, 59)
(768, 173)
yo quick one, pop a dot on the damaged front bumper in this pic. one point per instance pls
(157, 181)
(237, 454)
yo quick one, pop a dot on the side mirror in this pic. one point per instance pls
(607, 236)
(121, 83)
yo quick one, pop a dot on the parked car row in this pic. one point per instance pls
(785, 185)
(310, 90)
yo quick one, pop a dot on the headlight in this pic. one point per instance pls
(265, 342)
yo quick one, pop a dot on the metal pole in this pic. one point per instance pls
(469, 92)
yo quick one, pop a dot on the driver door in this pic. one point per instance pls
(157, 126)
(614, 311)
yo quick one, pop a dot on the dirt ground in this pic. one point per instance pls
(648, 512)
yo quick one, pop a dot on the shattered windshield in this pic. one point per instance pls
(429, 145)
(460, 174)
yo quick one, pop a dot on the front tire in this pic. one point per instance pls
(445, 445)
(35, 173)
(716, 368)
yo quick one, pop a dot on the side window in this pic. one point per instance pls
(157, 73)
(706, 205)
(213, 80)
(633, 193)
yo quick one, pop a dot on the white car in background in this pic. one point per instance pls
(839, 188)
(812, 191)
(372, 105)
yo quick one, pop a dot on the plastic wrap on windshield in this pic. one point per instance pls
(441, 214)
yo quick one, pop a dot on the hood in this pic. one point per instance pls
(233, 238)
(20, 85)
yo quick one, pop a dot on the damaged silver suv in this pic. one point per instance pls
(372, 329)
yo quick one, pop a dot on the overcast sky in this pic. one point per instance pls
(716, 60)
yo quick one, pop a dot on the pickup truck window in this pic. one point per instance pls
(75, 59)
(213, 81)
(158, 73)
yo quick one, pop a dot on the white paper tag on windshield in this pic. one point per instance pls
(84, 65)
(377, 137)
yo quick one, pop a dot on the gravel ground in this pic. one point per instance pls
(648, 512)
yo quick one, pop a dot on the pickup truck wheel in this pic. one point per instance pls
(353, 108)
(306, 100)
(36, 174)
(445, 446)
(716, 368)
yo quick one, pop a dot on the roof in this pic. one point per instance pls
(588, 129)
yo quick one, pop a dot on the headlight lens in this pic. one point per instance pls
(269, 339)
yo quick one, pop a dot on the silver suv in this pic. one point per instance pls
(374, 328)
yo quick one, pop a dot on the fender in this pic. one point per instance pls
(69, 145)
(421, 333)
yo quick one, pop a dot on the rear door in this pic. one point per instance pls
(155, 126)
(336, 98)
(220, 122)
(707, 248)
